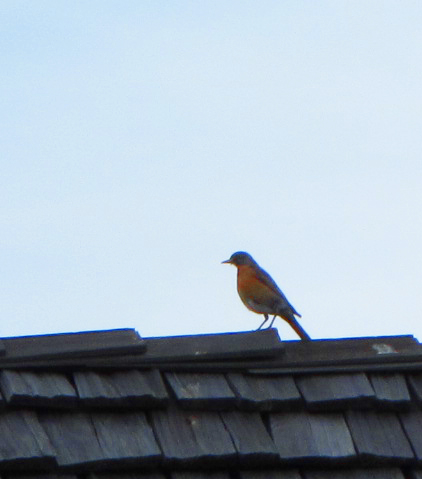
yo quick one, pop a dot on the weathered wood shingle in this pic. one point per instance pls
(74, 439)
(415, 383)
(379, 435)
(34, 350)
(336, 390)
(312, 436)
(196, 390)
(412, 424)
(23, 442)
(40, 389)
(97, 439)
(187, 437)
(131, 388)
(391, 390)
(265, 392)
(127, 438)
(250, 437)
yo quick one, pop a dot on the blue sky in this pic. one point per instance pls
(143, 142)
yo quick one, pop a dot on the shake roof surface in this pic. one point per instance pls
(110, 404)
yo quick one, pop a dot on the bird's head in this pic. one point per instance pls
(240, 258)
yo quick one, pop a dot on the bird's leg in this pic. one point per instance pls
(272, 322)
(265, 320)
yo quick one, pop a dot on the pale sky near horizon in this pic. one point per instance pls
(143, 142)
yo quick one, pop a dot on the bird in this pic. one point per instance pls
(260, 293)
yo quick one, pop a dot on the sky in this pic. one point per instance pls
(142, 142)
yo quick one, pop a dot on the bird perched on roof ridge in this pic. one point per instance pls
(260, 293)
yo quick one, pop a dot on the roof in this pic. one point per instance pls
(110, 404)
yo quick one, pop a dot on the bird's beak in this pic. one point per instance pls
(227, 261)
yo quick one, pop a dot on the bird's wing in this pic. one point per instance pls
(263, 277)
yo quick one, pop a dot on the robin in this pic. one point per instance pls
(260, 294)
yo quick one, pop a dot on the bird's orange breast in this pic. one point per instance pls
(255, 294)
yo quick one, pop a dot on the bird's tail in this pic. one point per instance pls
(294, 323)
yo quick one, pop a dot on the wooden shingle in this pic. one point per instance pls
(100, 439)
(23, 442)
(29, 349)
(189, 437)
(336, 390)
(311, 436)
(250, 437)
(390, 389)
(412, 424)
(196, 390)
(345, 351)
(415, 384)
(206, 347)
(379, 435)
(265, 392)
(40, 389)
(131, 388)
(74, 439)
(126, 438)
